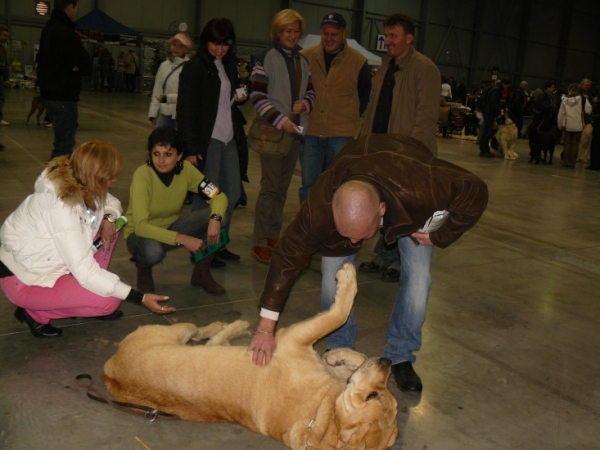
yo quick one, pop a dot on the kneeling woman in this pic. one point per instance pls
(47, 266)
(157, 194)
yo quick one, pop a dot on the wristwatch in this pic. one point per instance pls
(110, 218)
(217, 217)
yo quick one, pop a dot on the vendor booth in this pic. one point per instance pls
(99, 29)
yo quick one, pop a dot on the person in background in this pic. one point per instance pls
(106, 67)
(163, 100)
(155, 226)
(342, 83)
(120, 73)
(209, 118)
(493, 103)
(4, 70)
(63, 62)
(281, 93)
(571, 119)
(446, 90)
(132, 70)
(48, 268)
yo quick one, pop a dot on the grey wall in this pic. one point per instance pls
(527, 39)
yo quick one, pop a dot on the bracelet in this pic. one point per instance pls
(263, 332)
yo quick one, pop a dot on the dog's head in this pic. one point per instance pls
(366, 410)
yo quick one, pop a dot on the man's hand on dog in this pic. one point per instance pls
(263, 342)
(150, 301)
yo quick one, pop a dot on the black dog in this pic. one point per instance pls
(542, 139)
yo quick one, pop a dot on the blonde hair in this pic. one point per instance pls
(284, 18)
(94, 164)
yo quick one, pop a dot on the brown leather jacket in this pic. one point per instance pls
(412, 182)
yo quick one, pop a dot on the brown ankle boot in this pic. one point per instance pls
(145, 283)
(201, 277)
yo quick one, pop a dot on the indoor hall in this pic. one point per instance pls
(510, 347)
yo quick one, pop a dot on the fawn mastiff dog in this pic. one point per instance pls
(338, 402)
(507, 137)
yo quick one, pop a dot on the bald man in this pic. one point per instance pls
(380, 181)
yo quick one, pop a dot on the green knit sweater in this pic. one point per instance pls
(153, 207)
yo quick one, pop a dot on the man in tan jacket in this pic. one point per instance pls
(341, 79)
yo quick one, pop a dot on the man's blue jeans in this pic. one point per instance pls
(223, 169)
(148, 252)
(387, 255)
(315, 156)
(64, 123)
(408, 316)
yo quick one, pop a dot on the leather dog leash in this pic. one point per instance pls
(150, 414)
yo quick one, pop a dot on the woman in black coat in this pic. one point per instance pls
(208, 116)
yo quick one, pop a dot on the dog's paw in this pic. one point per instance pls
(209, 331)
(346, 274)
(234, 330)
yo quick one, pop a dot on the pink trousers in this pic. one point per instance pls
(67, 298)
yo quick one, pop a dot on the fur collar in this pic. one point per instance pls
(67, 188)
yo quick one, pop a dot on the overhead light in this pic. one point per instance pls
(42, 8)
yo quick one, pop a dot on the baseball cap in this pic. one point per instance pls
(333, 20)
(183, 38)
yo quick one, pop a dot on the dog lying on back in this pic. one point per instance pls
(37, 104)
(338, 402)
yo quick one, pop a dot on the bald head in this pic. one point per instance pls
(357, 210)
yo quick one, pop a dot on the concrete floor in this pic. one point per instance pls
(510, 356)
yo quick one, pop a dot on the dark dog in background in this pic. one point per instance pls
(36, 104)
(542, 139)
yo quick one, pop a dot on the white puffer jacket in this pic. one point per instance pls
(570, 114)
(171, 88)
(50, 234)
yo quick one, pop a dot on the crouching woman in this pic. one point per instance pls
(157, 194)
(48, 268)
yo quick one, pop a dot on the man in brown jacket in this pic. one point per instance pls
(395, 184)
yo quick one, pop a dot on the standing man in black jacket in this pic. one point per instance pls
(492, 104)
(63, 62)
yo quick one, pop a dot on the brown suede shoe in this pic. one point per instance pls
(271, 243)
(261, 254)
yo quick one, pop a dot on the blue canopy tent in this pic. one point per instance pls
(97, 26)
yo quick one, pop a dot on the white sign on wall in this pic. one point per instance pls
(380, 44)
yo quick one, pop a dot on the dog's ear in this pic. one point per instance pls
(354, 438)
